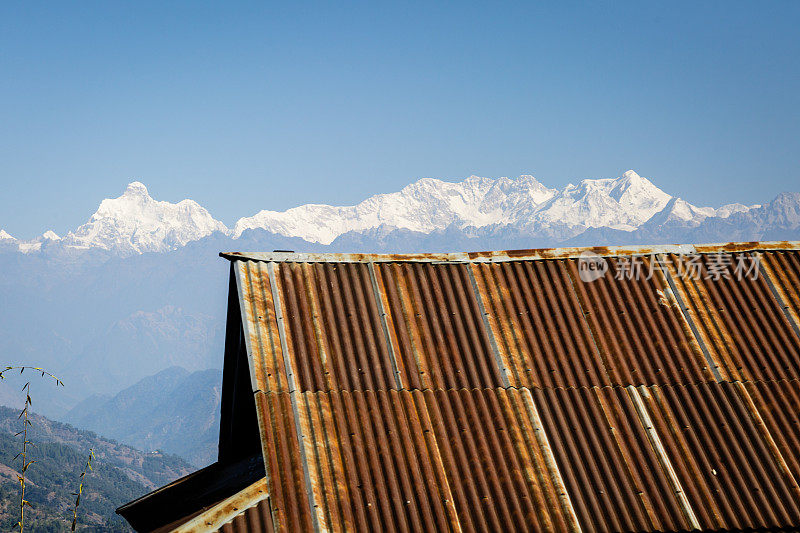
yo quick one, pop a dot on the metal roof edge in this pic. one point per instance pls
(220, 514)
(510, 255)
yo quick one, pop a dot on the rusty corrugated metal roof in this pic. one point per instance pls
(732, 472)
(497, 390)
(647, 458)
(742, 322)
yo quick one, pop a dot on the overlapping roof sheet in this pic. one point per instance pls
(500, 391)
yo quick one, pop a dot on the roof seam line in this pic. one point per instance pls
(613, 386)
(661, 453)
(276, 300)
(765, 432)
(511, 255)
(293, 396)
(384, 324)
(489, 333)
(777, 295)
(684, 309)
(540, 434)
(603, 359)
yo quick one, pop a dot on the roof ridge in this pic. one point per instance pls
(510, 255)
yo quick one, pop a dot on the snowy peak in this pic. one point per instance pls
(136, 188)
(682, 213)
(135, 223)
(633, 190)
(784, 210)
(4, 235)
(522, 205)
(622, 203)
(427, 205)
(424, 206)
(731, 209)
(50, 235)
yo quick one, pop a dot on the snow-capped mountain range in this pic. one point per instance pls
(135, 223)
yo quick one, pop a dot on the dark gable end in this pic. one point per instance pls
(239, 437)
(240, 462)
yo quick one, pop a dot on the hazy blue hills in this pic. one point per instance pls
(175, 411)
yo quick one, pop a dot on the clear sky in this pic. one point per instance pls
(249, 106)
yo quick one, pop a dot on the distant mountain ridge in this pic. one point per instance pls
(135, 223)
(174, 411)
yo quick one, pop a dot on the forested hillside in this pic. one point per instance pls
(119, 474)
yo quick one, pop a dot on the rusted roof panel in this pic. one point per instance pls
(498, 461)
(639, 330)
(541, 332)
(554, 329)
(727, 465)
(255, 519)
(740, 322)
(436, 326)
(373, 462)
(611, 469)
(445, 460)
(285, 464)
(261, 327)
(333, 327)
(783, 269)
(778, 406)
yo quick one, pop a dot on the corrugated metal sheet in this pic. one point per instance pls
(262, 325)
(437, 327)
(741, 323)
(778, 405)
(497, 391)
(783, 269)
(444, 460)
(611, 469)
(731, 471)
(541, 332)
(642, 336)
(254, 519)
(333, 327)
(373, 462)
(285, 464)
(499, 464)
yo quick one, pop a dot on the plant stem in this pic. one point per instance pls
(78, 494)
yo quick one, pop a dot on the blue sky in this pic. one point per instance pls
(249, 106)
